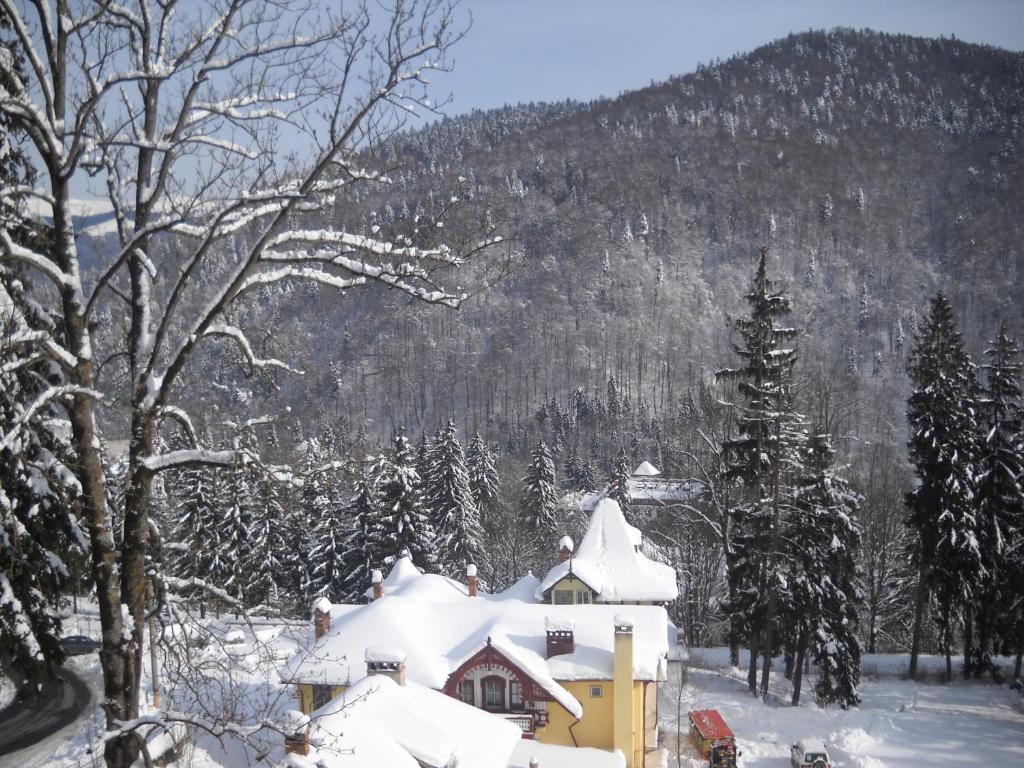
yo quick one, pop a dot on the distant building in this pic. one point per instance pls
(649, 489)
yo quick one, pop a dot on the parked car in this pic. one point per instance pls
(78, 645)
(810, 753)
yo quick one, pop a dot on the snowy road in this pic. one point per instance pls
(900, 724)
(27, 731)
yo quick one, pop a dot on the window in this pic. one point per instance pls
(583, 597)
(467, 692)
(321, 695)
(562, 597)
(515, 695)
(596, 691)
(494, 692)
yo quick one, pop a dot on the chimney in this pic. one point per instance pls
(296, 727)
(377, 579)
(623, 736)
(561, 635)
(321, 617)
(471, 579)
(534, 762)
(565, 548)
(389, 662)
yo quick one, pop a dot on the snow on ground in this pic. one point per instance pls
(900, 724)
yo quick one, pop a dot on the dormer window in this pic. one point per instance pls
(467, 692)
(563, 597)
(494, 692)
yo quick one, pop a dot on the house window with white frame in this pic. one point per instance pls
(467, 692)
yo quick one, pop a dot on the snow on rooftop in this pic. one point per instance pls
(610, 562)
(566, 542)
(384, 655)
(377, 723)
(646, 470)
(440, 628)
(523, 590)
(402, 572)
(557, 756)
(559, 624)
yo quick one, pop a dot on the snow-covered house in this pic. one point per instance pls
(569, 675)
(608, 567)
(647, 487)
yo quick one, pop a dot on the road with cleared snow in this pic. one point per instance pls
(24, 728)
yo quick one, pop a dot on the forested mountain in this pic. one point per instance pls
(878, 168)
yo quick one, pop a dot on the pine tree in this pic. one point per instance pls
(1000, 492)
(759, 457)
(268, 549)
(483, 476)
(572, 471)
(453, 511)
(236, 530)
(618, 482)
(941, 412)
(539, 498)
(40, 539)
(823, 537)
(404, 521)
(364, 546)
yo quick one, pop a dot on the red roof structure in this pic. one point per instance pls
(710, 724)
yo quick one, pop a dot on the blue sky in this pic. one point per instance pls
(545, 50)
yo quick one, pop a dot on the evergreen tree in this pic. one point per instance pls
(539, 498)
(405, 523)
(944, 449)
(588, 477)
(268, 550)
(1000, 493)
(618, 482)
(236, 530)
(453, 511)
(40, 539)
(759, 457)
(364, 549)
(572, 471)
(194, 525)
(826, 593)
(483, 476)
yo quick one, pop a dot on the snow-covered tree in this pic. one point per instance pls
(1000, 505)
(618, 482)
(539, 497)
(483, 475)
(452, 508)
(826, 594)
(942, 416)
(268, 549)
(364, 549)
(759, 458)
(405, 521)
(180, 109)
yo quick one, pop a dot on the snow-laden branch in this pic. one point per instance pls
(235, 333)
(191, 457)
(34, 259)
(299, 273)
(46, 397)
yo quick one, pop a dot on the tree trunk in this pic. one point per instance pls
(919, 604)
(798, 671)
(872, 630)
(1020, 656)
(947, 635)
(983, 659)
(969, 660)
(752, 667)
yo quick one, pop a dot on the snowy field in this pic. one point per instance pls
(899, 724)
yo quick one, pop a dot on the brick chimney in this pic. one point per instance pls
(377, 579)
(321, 617)
(471, 579)
(561, 635)
(296, 728)
(389, 662)
(565, 548)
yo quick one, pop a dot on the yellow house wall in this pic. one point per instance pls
(595, 727)
(306, 696)
(570, 582)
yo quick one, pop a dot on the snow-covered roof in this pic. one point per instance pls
(646, 470)
(378, 723)
(556, 756)
(440, 628)
(524, 590)
(610, 562)
(649, 491)
(403, 573)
